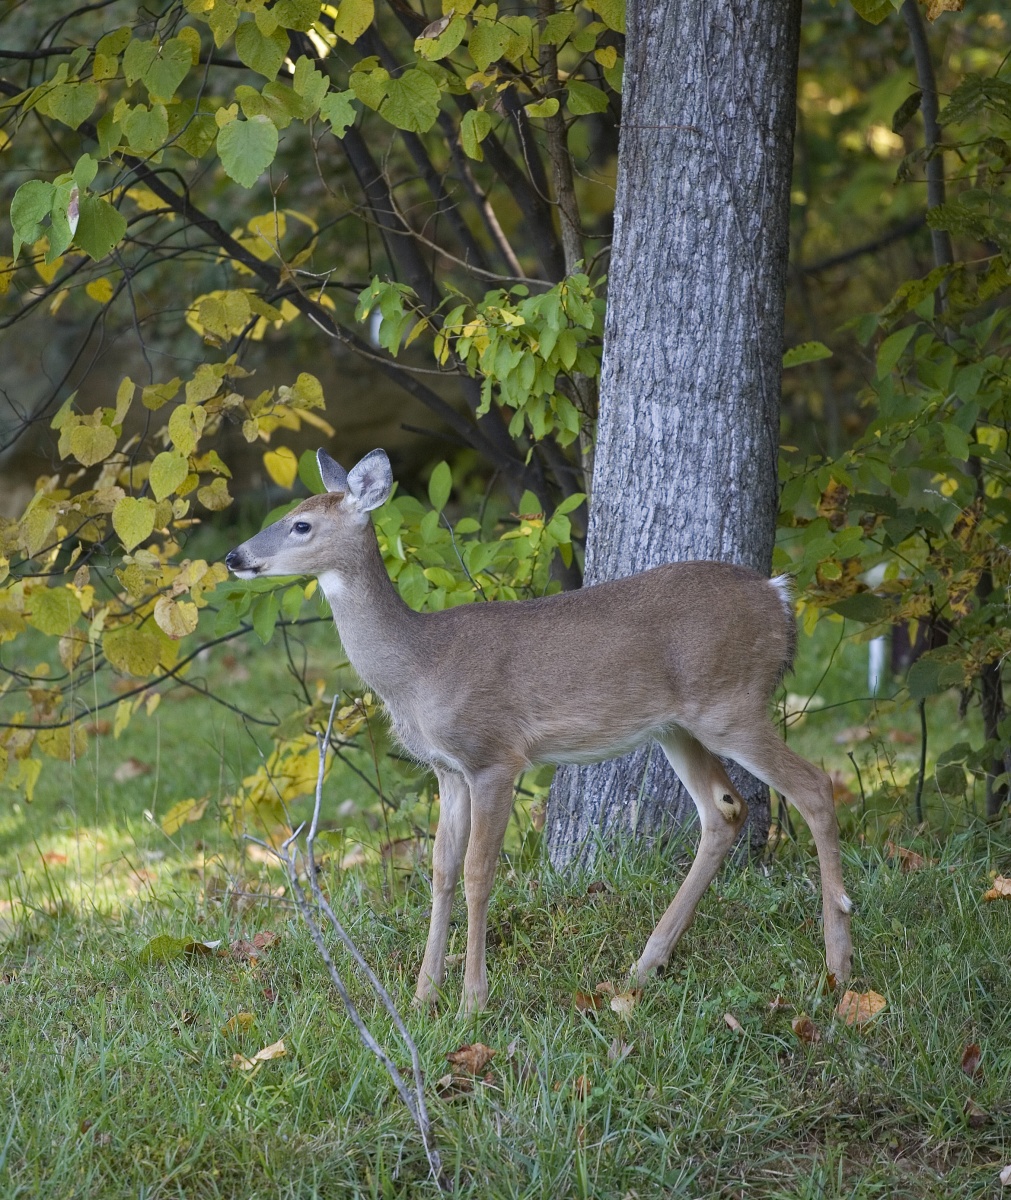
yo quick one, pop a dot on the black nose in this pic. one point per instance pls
(233, 560)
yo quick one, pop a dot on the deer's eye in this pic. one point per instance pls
(301, 527)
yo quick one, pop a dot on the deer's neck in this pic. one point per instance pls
(377, 629)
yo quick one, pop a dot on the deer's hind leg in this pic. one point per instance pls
(722, 812)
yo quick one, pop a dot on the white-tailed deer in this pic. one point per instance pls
(688, 654)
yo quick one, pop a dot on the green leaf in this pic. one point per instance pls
(309, 83)
(338, 111)
(168, 68)
(261, 54)
(557, 28)
(488, 40)
(439, 486)
(571, 502)
(168, 471)
(542, 108)
(70, 103)
(890, 350)
(85, 171)
(584, 98)
(53, 610)
(353, 18)
(930, 675)
(412, 101)
(804, 353)
(864, 606)
(611, 12)
(146, 130)
(474, 128)
(296, 14)
(265, 611)
(247, 148)
(434, 48)
(873, 11)
(308, 472)
(138, 57)
(370, 86)
(30, 206)
(100, 227)
(133, 520)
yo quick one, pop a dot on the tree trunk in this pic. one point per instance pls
(686, 456)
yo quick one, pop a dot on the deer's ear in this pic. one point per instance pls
(335, 478)
(371, 480)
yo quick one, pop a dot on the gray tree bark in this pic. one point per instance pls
(686, 456)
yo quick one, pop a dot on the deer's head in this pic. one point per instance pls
(323, 532)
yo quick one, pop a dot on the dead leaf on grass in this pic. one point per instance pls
(243, 950)
(909, 860)
(902, 737)
(971, 1057)
(624, 1002)
(165, 947)
(588, 1002)
(595, 888)
(54, 858)
(975, 1116)
(1005, 1176)
(274, 1050)
(238, 1023)
(450, 1086)
(733, 1023)
(472, 1058)
(805, 1029)
(1001, 889)
(582, 1086)
(132, 768)
(618, 1050)
(777, 1003)
(857, 1008)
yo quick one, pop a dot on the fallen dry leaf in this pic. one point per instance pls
(452, 1085)
(909, 860)
(618, 1050)
(623, 1002)
(132, 768)
(777, 1003)
(857, 1008)
(98, 728)
(841, 791)
(902, 738)
(588, 1002)
(971, 1057)
(936, 7)
(1001, 889)
(595, 888)
(243, 950)
(582, 1087)
(274, 1050)
(54, 858)
(732, 1022)
(471, 1058)
(605, 988)
(1005, 1176)
(538, 813)
(975, 1116)
(238, 1023)
(805, 1029)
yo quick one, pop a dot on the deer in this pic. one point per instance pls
(688, 654)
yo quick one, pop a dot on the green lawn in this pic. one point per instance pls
(117, 1076)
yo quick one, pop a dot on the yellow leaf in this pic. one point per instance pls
(624, 1002)
(124, 711)
(857, 1008)
(91, 444)
(274, 1050)
(168, 471)
(1001, 889)
(133, 520)
(6, 274)
(57, 301)
(176, 617)
(936, 7)
(100, 290)
(282, 466)
(239, 1023)
(185, 427)
(183, 813)
(215, 495)
(47, 271)
(135, 651)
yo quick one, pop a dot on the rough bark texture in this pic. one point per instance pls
(686, 457)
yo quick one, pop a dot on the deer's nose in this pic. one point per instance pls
(234, 560)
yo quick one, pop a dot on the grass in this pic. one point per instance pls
(116, 1073)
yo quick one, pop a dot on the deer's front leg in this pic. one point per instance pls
(447, 861)
(491, 805)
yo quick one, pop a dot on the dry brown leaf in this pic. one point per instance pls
(274, 1050)
(438, 27)
(132, 768)
(595, 888)
(605, 988)
(244, 950)
(971, 1057)
(538, 813)
(54, 858)
(618, 1050)
(909, 860)
(238, 1023)
(623, 1002)
(582, 1087)
(975, 1116)
(1001, 889)
(732, 1022)
(902, 738)
(265, 939)
(588, 1002)
(936, 7)
(777, 1003)
(841, 791)
(99, 727)
(805, 1029)
(472, 1058)
(1005, 1176)
(857, 1008)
